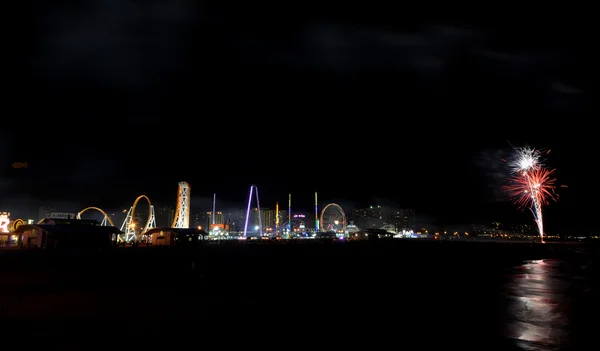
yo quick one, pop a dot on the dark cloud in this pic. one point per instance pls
(92, 172)
(565, 89)
(5, 185)
(142, 62)
(346, 48)
(429, 51)
(128, 45)
(123, 44)
(426, 221)
(5, 164)
(205, 203)
(493, 165)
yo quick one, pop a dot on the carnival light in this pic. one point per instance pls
(4, 222)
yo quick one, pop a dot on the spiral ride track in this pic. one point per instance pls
(106, 220)
(128, 226)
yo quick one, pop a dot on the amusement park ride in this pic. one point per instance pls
(332, 217)
(181, 220)
(260, 228)
(128, 226)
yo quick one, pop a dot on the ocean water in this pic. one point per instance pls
(550, 304)
(376, 296)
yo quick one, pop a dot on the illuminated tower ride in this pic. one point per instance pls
(316, 213)
(277, 218)
(182, 212)
(214, 207)
(253, 188)
(128, 226)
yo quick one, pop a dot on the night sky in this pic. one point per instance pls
(113, 99)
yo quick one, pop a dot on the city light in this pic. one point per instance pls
(531, 187)
(4, 222)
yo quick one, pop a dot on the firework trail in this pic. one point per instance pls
(531, 185)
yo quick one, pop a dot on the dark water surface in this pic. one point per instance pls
(387, 295)
(550, 304)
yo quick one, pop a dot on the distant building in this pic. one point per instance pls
(201, 220)
(61, 215)
(205, 219)
(377, 217)
(219, 217)
(49, 212)
(165, 216)
(283, 217)
(176, 236)
(267, 217)
(370, 217)
(66, 234)
(44, 211)
(403, 219)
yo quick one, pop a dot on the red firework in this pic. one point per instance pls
(535, 184)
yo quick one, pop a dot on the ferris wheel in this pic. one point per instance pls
(333, 218)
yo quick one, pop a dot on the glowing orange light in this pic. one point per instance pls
(4, 222)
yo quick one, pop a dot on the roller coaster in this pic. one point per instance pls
(106, 220)
(131, 234)
(128, 226)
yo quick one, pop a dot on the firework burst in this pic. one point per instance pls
(531, 185)
(535, 184)
(526, 158)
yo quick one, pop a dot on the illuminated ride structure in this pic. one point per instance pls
(254, 189)
(16, 224)
(181, 220)
(333, 218)
(182, 212)
(106, 220)
(128, 226)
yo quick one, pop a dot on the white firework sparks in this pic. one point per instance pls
(526, 159)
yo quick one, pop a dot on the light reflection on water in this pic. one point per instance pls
(538, 306)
